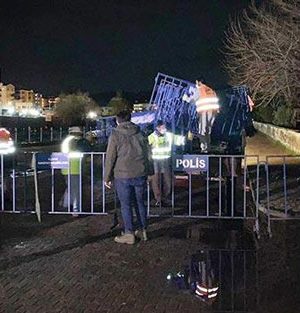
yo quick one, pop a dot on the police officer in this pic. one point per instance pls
(161, 142)
(73, 144)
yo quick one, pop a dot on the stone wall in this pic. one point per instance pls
(287, 137)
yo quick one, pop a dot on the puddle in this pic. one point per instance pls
(229, 274)
(226, 280)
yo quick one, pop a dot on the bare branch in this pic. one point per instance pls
(262, 49)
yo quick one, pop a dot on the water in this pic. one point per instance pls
(230, 272)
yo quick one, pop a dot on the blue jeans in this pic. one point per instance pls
(129, 189)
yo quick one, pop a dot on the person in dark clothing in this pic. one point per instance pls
(127, 162)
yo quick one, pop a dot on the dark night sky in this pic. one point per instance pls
(95, 46)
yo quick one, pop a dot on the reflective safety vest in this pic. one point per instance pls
(6, 143)
(74, 156)
(205, 292)
(208, 100)
(162, 145)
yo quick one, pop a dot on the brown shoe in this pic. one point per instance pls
(129, 239)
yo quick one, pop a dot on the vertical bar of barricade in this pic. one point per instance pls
(14, 189)
(25, 189)
(160, 192)
(268, 196)
(232, 280)
(245, 183)
(220, 279)
(2, 183)
(190, 194)
(51, 134)
(92, 182)
(207, 189)
(16, 134)
(69, 187)
(60, 133)
(257, 194)
(52, 190)
(284, 186)
(153, 91)
(173, 187)
(36, 189)
(103, 186)
(80, 183)
(148, 198)
(232, 187)
(220, 185)
(257, 280)
(29, 133)
(245, 281)
(41, 134)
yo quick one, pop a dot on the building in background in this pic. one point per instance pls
(7, 97)
(26, 96)
(24, 102)
(52, 103)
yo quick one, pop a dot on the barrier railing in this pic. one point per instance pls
(222, 191)
(230, 187)
(281, 199)
(50, 189)
(227, 189)
(40, 134)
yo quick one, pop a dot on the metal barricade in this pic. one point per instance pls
(229, 189)
(232, 187)
(25, 188)
(38, 134)
(282, 200)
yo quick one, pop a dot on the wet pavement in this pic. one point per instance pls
(73, 265)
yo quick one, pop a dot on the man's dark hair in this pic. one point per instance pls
(159, 123)
(123, 116)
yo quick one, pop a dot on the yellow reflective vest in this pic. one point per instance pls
(161, 145)
(74, 156)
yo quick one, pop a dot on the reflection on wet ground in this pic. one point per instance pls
(232, 273)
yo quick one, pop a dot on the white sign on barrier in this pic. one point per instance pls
(190, 163)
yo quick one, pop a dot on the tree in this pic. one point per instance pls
(262, 49)
(73, 108)
(118, 103)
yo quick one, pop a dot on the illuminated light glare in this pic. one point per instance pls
(24, 112)
(207, 107)
(11, 111)
(73, 155)
(199, 293)
(160, 157)
(92, 115)
(207, 100)
(169, 277)
(213, 289)
(163, 149)
(202, 289)
(213, 295)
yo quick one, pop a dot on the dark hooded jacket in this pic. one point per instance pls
(127, 153)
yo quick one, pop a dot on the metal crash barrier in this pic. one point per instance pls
(280, 194)
(215, 187)
(43, 182)
(226, 187)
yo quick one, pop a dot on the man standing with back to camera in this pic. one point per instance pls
(128, 164)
